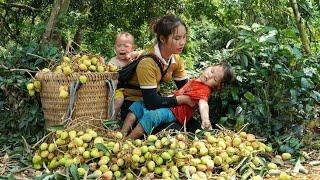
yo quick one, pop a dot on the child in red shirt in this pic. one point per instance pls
(199, 90)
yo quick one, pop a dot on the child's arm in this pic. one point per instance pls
(135, 55)
(204, 113)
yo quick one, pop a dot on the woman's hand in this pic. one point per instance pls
(183, 99)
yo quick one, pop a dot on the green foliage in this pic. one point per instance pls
(22, 113)
(276, 86)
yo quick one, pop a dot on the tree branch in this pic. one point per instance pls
(20, 6)
(300, 26)
(8, 29)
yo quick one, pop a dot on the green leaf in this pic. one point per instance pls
(60, 176)
(222, 120)
(101, 147)
(304, 83)
(74, 172)
(85, 166)
(294, 96)
(315, 95)
(245, 27)
(56, 127)
(234, 93)
(244, 60)
(296, 52)
(263, 110)
(239, 122)
(249, 96)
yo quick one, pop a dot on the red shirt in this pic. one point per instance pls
(196, 90)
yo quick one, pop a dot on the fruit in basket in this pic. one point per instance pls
(100, 68)
(113, 68)
(87, 62)
(67, 70)
(45, 70)
(63, 93)
(94, 61)
(92, 68)
(83, 67)
(83, 79)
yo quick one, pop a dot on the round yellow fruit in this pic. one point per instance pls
(286, 156)
(83, 67)
(37, 85)
(284, 176)
(32, 92)
(83, 79)
(43, 146)
(30, 86)
(272, 166)
(63, 94)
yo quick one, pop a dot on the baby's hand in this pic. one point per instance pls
(134, 55)
(206, 124)
(101, 60)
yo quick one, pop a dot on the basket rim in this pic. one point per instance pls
(75, 75)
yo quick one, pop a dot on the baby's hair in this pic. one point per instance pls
(228, 75)
(126, 34)
(165, 25)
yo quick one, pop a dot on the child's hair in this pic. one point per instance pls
(126, 34)
(165, 25)
(228, 75)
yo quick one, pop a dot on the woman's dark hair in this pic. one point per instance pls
(165, 25)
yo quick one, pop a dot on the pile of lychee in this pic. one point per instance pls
(166, 155)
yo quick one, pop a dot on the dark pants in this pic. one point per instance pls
(191, 126)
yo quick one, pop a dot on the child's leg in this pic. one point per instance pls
(119, 98)
(128, 123)
(117, 106)
(153, 118)
(136, 112)
(137, 132)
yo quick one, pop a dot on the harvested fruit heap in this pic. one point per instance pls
(217, 154)
(83, 64)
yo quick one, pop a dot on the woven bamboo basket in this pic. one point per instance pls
(91, 100)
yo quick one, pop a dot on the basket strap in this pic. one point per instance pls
(112, 85)
(74, 86)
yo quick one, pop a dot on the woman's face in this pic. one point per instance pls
(176, 41)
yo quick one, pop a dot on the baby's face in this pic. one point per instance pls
(213, 77)
(123, 46)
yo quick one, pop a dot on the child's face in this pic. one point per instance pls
(213, 77)
(123, 46)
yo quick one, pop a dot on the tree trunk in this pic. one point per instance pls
(78, 37)
(59, 7)
(299, 23)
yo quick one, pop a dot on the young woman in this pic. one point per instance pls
(171, 35)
